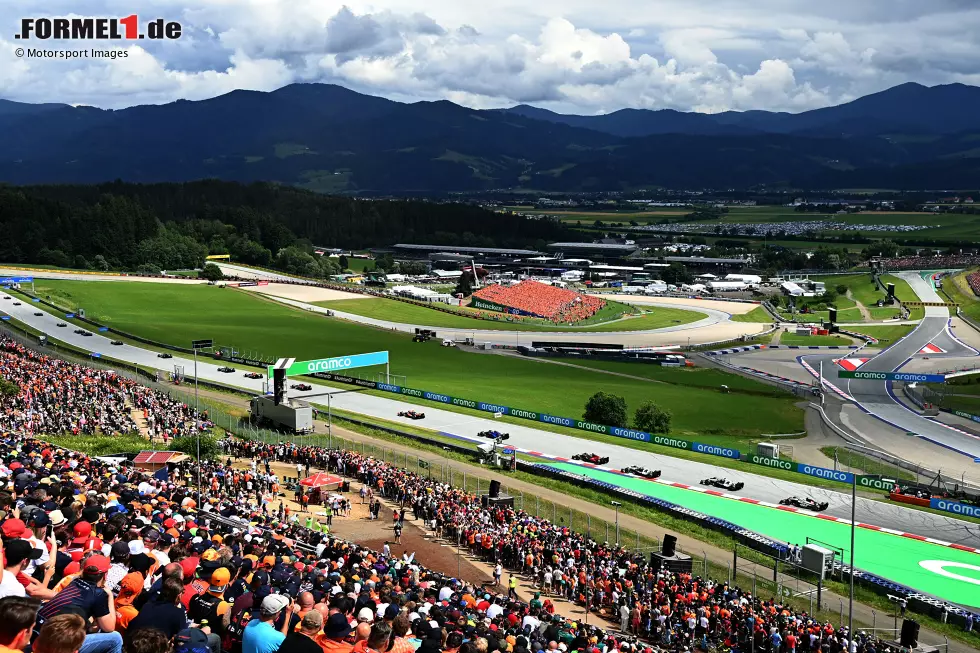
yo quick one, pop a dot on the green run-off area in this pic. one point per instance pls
(889, 556)
(177, 314)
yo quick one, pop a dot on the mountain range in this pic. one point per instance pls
(331, 139)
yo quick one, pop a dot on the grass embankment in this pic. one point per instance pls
(960, 292)
(179, 314)
(756, 315)
(790, 338)
(612, 317)
(886, 335)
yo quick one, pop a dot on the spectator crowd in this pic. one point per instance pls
(61, 398)
(100, 558)
(541, 300)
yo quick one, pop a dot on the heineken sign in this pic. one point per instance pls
(338, 364)
(892, 376)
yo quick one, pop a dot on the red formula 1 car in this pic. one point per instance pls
(592, 458)
(412, 414)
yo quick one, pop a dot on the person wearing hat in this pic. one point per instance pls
(303, 640)
(35, 588)
(335, 633)
(260, 636)
(86, 597)
(209, 611)
(119, 567)
(19, 554)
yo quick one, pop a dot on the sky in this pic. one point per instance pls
(573, 56)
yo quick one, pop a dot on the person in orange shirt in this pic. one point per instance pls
(335, 634)
(129, 590)
(17, 614)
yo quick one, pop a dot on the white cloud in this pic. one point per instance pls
(574, 55)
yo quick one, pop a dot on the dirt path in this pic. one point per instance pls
(863, 614)
(776, 335)
(865, 313)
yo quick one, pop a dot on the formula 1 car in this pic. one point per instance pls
(592, 458)
(38, 314)
(6, 296)
(805, 502)
(303, 387)
(412, 414)
(79, 331)
(643, 472)
(252, 375)
(723, 484)
(165, 355)
(16, 303)
(87, 334)
(226, 370)
(61, 324)
(117, 342)
(494, 435)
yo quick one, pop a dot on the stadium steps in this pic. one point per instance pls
(141, 423)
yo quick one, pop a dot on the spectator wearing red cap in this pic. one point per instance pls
(86, 596)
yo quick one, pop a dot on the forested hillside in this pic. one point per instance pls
(173, 226)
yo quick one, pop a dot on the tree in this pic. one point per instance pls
(99, 263)
(604, 408)
(464, 286)
(80, 263)
(652, 418)
(212, 272)
(188, 444)
(8, 389)
(344, 263)
(841, 289)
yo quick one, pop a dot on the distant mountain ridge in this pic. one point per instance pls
(331, 139)
(912, 107)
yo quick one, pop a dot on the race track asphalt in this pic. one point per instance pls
(714, 327)
(878, 397)
(757, 486)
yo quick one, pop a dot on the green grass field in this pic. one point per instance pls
(791, 338)
(403, 312)
(886, 335)
(863, 289)
(756, 315)
(179, 314)
(959, 290)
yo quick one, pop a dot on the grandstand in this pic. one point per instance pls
(974, 280)
(535, 299)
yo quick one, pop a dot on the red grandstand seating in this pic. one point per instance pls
(974, 280)
(542, 300)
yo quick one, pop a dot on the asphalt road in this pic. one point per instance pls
(760, 487)
(878, 397)
(715, 327)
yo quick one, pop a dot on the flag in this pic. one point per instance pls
(423, 464)
(162, 474)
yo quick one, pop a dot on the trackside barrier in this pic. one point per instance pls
(955, 507)
(558, 420)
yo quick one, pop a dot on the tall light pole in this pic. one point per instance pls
(195, 345)
(617, 504)
(850, 598)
